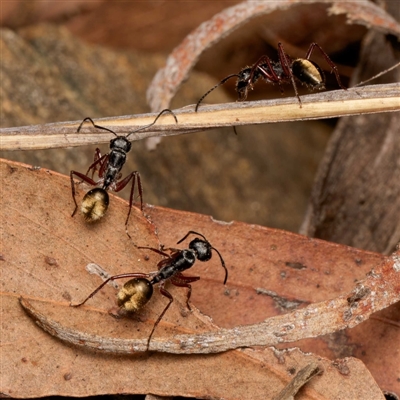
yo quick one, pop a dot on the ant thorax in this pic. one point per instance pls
(117, 158)
(185, 259)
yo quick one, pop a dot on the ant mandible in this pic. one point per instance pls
(136, 292)
(95, 202)
(286, 70)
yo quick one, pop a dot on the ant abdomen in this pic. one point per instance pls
(308, 73)
(95, 204)
(135, 293)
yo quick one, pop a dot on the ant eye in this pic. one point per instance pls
(94, 204)
(135, 294)
(112, 143)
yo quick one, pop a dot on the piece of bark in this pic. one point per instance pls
(356, 194)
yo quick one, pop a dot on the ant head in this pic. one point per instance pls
(122, 143)
(245, 82)
(94, 204)
(308, 73)
(202, 249)
(135, 294)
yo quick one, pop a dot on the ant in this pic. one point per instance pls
(286, 70)
(95, 202)
(138, 291)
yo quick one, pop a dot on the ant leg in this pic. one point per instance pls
(328, 60)
(133, 176)
(172, 250)
(167, 294)
(83, 178)
(168, 257)
(155, 250)
(271, 75)
(97, 156)
(98, 159)
(104, 165)
(184, 281)
(286, 66)
(112, 278)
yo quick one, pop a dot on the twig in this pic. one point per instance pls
(380, 289)
(155, 397)
(378, 75)
(331, 104)
(301, 378)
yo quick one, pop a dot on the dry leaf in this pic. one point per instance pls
(44, 255)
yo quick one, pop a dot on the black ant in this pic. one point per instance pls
(286, 70)
(138, 291)
(95, 202)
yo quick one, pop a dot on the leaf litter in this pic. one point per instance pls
(42, 222)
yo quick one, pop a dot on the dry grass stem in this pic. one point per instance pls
(332, 104)
(301, 378)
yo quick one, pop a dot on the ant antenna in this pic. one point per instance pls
(96, 126)
(192, 233)
(158, 116)
(222, 260)
(222, 263)
(136, 130)
(213, 88)
(378, 75)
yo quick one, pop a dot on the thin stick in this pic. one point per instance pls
(301, 378)
(379, 290)
(331, 104)
(377, 75)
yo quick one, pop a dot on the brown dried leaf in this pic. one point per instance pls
(44, 255)
(183, 57)
(294, 271)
